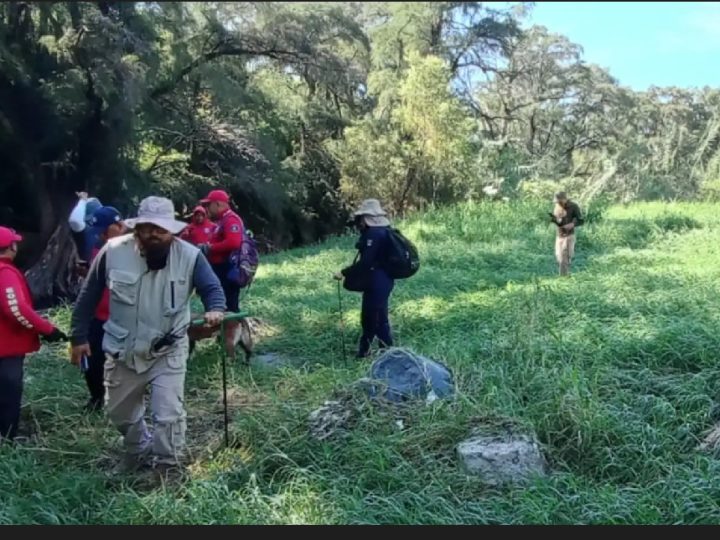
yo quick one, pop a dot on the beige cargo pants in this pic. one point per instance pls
(125, 405)
(564, 252)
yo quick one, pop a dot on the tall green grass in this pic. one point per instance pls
(615, 369)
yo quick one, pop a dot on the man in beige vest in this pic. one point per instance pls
(151, 275)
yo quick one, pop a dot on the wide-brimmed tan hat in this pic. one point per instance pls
(373, 213)
(158, 211)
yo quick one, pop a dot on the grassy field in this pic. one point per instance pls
(615, 369)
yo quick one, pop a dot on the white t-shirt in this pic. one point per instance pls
(77, 216)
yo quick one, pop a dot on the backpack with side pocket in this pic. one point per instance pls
(244, 261)
(402, 259)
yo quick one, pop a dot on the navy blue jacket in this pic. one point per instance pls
(85, 241)
(373, 245)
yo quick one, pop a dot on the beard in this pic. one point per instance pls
(156, 254)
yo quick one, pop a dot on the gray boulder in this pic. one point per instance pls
(507, 458)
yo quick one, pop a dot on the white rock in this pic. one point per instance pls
(502, 459)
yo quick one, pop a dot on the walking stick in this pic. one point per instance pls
(228, 317)
(342, 325)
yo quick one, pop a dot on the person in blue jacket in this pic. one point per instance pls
(84, 235)
(368, 275)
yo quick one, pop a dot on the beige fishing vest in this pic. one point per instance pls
(146, 305)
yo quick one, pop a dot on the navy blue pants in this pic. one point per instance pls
(11, 388)
(374, 319)
(231, 290)
(95, 375)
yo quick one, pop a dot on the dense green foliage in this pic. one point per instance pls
(303, 108)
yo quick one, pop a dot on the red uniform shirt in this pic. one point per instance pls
(198, 234)
(227, 237)
(20, 326)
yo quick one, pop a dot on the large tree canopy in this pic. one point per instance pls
(301, 109)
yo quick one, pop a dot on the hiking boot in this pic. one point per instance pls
(132, 463)
(168, 472)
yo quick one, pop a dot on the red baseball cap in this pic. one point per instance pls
(8, 236)
(217, 195)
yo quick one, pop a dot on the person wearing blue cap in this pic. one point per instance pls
(84, 236)
(104, 224)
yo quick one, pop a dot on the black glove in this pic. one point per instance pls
(55, 336)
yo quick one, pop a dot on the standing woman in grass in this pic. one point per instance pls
(566, 216)
(20, 329)
(368, 276)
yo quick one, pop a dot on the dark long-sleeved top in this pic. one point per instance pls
(373, 245)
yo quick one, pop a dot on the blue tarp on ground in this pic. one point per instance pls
(400, 375)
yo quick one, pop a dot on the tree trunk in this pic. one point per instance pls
(53, 277)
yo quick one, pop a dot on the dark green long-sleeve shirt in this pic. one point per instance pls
(572, 215)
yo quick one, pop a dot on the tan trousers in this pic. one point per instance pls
(125, 403)
(564, 252)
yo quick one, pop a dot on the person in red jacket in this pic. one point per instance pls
(227, 237)
(106, 222)
(200, 230)
(20, 328)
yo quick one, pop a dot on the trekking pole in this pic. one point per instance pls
(342, 325)
(228, 317)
